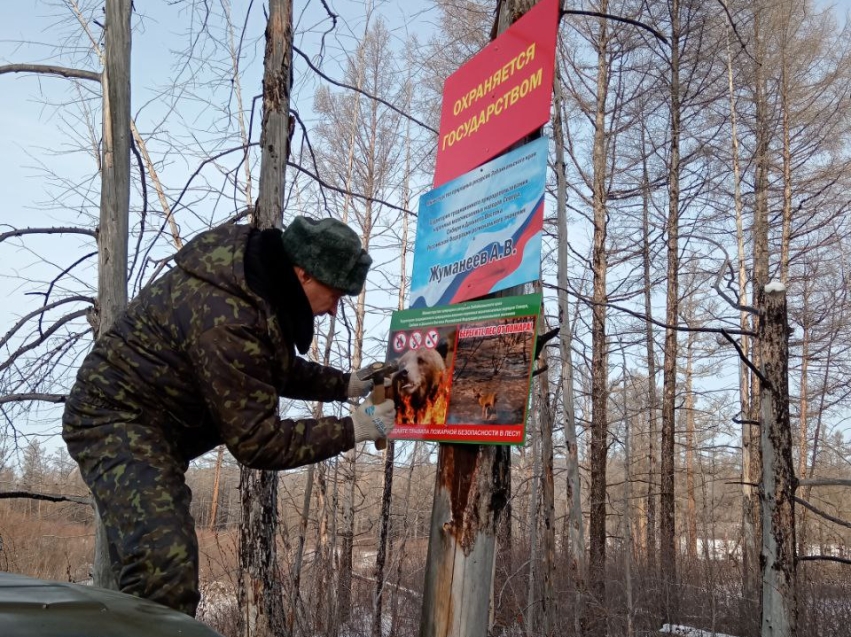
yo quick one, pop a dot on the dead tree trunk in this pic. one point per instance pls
(576, 525)
(217, 477)
(546, 417)
(470, 494)
(650, 346)
(777, 487)
(749, 494)
(667, 519)
(531, 530)
(114, 205)
(599, 351)
(691, 503)
(627, 511)
(259, 591)
(383, 538)
(471, 491)
(762, 163)
(274, 132)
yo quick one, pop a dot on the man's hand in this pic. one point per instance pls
(373, 422)
(358, 388)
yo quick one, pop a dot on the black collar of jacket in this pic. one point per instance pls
(270, 275)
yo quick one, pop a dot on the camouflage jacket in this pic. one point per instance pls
(200, 355)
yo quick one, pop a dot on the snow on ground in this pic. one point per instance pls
(688, 631)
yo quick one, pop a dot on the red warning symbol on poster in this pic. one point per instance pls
(400, 342)
(432, 338)
(416, 340)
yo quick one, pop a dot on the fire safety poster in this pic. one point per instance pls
(464, 371)
(481, 233)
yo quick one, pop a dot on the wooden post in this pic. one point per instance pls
(471, 491)
(777, 487)
(472, 488)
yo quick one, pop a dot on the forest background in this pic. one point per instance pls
(366, 93)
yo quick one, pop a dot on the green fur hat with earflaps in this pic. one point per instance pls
(328, 250)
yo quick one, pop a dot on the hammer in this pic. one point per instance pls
(376, 372)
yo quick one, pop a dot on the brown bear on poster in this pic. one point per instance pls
(418, 380)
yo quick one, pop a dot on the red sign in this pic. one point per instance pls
(501, 95)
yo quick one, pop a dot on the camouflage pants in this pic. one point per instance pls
(138, 481)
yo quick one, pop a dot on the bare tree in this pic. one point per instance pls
(668, 547)
(600, 347)
(259, 588)
(576, 525)
(779, 616)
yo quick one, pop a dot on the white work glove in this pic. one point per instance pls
(358, 388)
(373, 421)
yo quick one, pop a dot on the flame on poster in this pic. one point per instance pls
(432, 413)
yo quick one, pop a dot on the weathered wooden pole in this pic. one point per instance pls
(777, 488)
(471, 490)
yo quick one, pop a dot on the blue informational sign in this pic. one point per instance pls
(481, 233)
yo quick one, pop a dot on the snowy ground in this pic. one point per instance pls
(688, 631)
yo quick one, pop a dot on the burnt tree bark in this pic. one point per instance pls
(546, 418)
(762, 165)
(650, 354)
(777, 487)
(470, 493)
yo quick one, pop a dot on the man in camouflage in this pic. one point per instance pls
(198, 359)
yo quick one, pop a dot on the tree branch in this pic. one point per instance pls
(733, 303)
(59, 230)
(824, 482)
(47, 294)
(821, 513)
(49, 69)
(41, 310)
(732, 24)
(53, 328)
(48, 398)
(48, 497)
(644, 317)
(745, 360)
(343, 191)
(316, 70)
(616, 18)
(679, 328)
(824, 558)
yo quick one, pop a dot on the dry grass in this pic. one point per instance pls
(38, 542)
